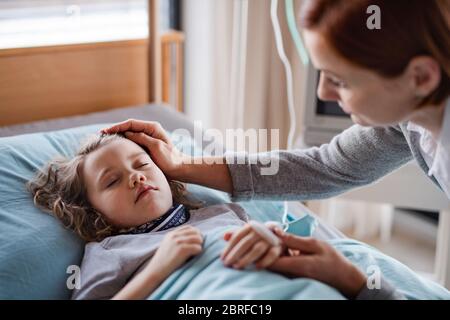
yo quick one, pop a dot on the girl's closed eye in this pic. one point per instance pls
(114, 180)
(143, 165)
(111, 183)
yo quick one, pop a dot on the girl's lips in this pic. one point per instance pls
(143, 190)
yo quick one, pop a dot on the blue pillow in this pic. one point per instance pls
(35, 249)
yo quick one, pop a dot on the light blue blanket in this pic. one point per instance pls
(205, 276)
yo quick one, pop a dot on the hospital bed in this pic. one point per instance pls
(36, 251)
(44, 90)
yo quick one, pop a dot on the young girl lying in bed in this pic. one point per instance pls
(139, 226)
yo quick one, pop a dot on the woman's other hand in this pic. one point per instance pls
(315, 259)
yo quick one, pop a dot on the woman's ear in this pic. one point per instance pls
(424, 74)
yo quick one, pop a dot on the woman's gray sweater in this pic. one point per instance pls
(356, 157)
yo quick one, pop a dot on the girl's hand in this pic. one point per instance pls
(154, 139)
(246, 246)
(176, 248)
(315, 259)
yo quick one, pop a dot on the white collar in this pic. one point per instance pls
(436, 152)
(444, 137)
(428, 143)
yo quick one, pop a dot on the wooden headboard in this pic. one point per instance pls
(57, 81)
(51, 82)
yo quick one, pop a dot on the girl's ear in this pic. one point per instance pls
(424, 74)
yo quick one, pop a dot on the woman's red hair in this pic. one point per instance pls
(409, 28)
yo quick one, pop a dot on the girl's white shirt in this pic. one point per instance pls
(436, 152)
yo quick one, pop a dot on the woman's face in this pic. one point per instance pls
(370, 99)
(125, 185)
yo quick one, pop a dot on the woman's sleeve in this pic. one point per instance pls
(356, 157)
(385, 292)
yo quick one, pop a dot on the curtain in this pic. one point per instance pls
(231, 83)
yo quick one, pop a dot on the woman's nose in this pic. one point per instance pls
(136, 178)
(325, 92)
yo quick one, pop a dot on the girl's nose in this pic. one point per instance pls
(137, 178)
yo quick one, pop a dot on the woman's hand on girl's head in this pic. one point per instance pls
(246, 246)
(154, 139)
(315, 259)
(151, 128)
(176, 248)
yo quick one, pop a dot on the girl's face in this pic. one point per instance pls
(370, 99)
(125, 185)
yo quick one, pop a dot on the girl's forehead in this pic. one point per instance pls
(121, 146)
(113, 152)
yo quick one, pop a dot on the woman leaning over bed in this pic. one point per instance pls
(393, 81)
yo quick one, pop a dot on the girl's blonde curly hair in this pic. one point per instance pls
(60, 190)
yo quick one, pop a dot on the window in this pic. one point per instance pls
(28, 23)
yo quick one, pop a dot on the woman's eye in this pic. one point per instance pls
(336, 83)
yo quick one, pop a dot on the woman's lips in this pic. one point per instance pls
(144, 190)
(343, 108)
